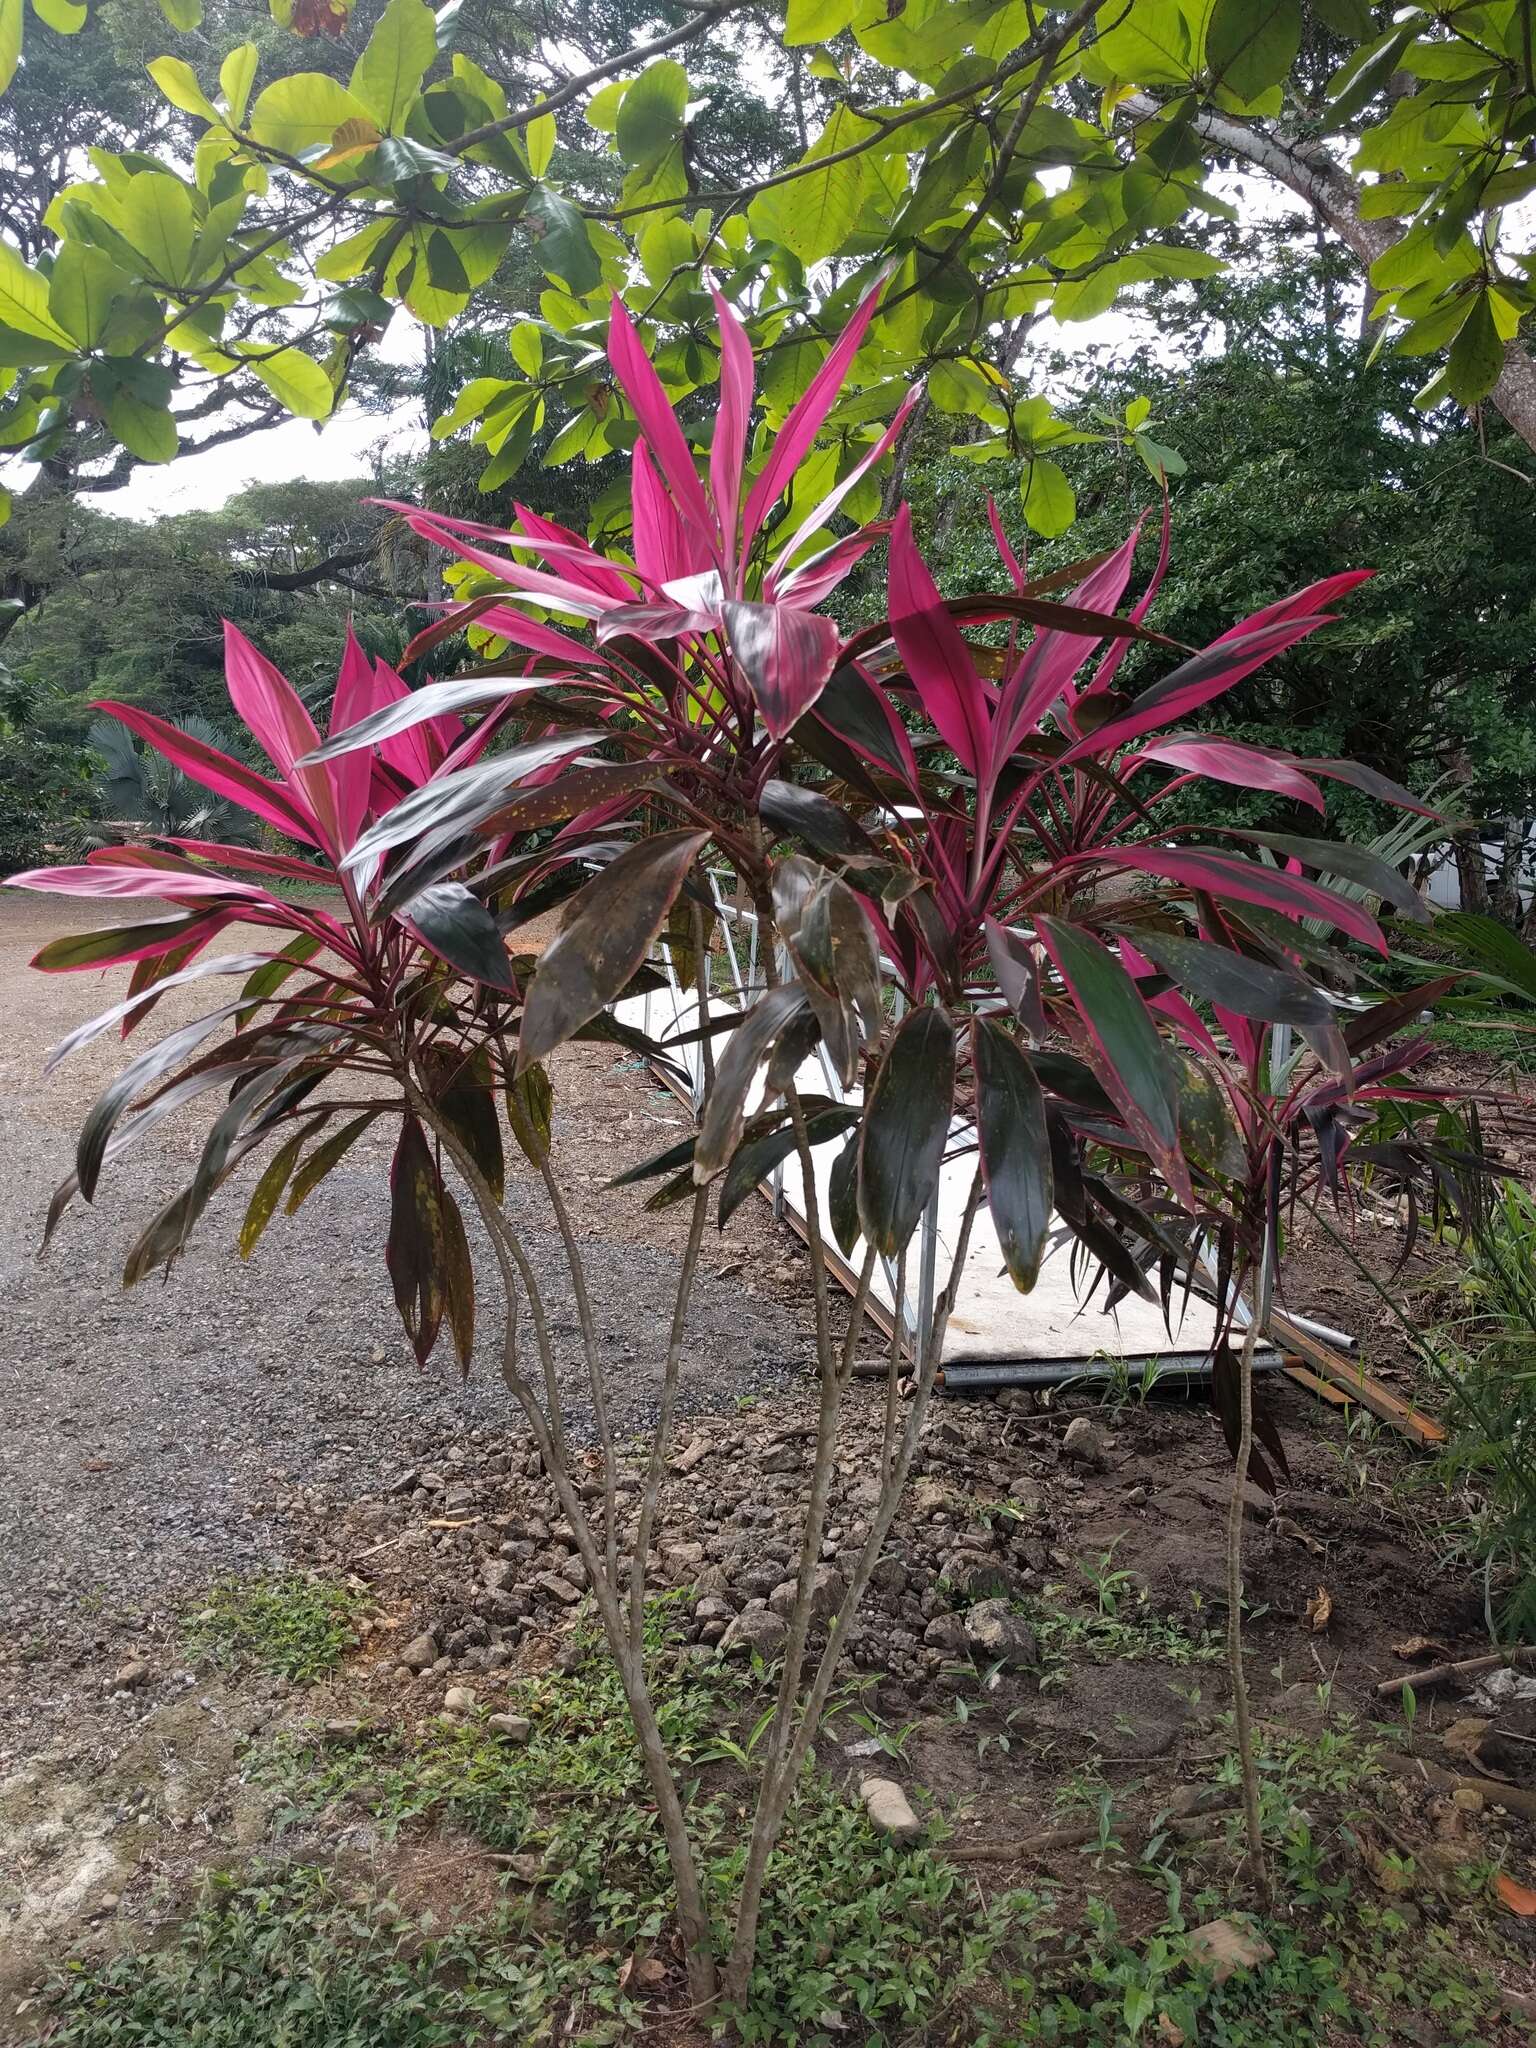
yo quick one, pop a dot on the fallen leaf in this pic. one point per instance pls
(1465, 1739)
(1320, 1610)
(1282, 1525)
(1421, 1646)
(98, 1465)
(1518, 1898)
(1225, 1946)
(1168, 2032)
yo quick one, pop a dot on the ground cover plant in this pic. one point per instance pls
(991, 837)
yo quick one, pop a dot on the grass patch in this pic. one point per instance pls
(862, 1945)
(291, 1624)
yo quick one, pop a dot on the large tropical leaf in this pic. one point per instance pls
(1015, 1150)
(906, 1123)
(608, 931)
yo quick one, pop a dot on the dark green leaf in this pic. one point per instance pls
(1355, 863)
(458, 1281)
(906, 1124)
(755, 1158)
(1250, 45)
(750, 1044)
(414, 1251)
(843, 1196)
(530, 1112)
(786, 807)
(1232, 980)
(457, 925)
(1015, 1150)
(565, 248)
(607, 934)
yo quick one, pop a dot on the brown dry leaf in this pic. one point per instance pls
(1169, 2032)
(98, 1465)
(1517, 1897)
(1320, 1610)
(1225, 1946)
(1465, 1739)
(626, 1971)
(1282, 1525)
(1421, 1646)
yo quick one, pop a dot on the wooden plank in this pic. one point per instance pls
(1355, 1383)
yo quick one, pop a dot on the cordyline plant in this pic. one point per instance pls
(988, 828)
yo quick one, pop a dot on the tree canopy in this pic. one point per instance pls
(233, 245)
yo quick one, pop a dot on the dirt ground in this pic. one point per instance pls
(240, 1416)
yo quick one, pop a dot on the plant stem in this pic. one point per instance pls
(661, 1442)
(692, 1912)
(1242, 1724)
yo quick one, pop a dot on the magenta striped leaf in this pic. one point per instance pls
(786, 655)
(1227, 875)
(1234, 761)
(658, 423)
(728, 451)
(794, 440)
(935, 653)
(274, 713)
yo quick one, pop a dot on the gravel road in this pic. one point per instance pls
(152, 1438)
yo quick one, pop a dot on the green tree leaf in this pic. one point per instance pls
(178, 83)
(83, 290)
(564, 246)
(906, 1123)
(1050, 504)
(303, 112)
(1250, 45)
(387, 76)
(1477, 355)
(296, 381)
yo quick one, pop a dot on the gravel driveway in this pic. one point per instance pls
(153, 1438)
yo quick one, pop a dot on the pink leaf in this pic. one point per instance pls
(1009, 559)
(935, 652)
(799, 431)
(271, 708)
(584, 564)
(1053, 658)
(353, 774)
(658, 423)
(1245, 881)
(1301, 604)
(662, 549)
(728, 451)
(818, 518)
(786, 656)
(819, 575)
(1232, 761)
(560, 591)
(220, 772)
(1206, 675)
(100, 879)
(247, 860)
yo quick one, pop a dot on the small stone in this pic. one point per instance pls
(996, 1633)
(128, 1677)
(947, 1632)
(421, 1653)
(342, 1734)
(558, 1588)
(1084, 1442)
(713, 1608)
(781, 1457)
(889, 1809)
(756, 1632)
(510, 1727)
(682, 1560)
(458, 1699)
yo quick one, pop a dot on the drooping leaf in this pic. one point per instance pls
(455, 923)
(530, 1112)
(608, 932)
(1233, 980)
(415, 1251)
(458, 1280)
(268, 1190)
(325, 1156)
(905, 1127)
(1015, 1150)
(756, 1157)
(1131, 1060)
(750, 1044)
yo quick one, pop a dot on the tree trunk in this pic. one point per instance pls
(1472, 872)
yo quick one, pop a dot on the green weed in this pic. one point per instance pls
(293, 1625)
